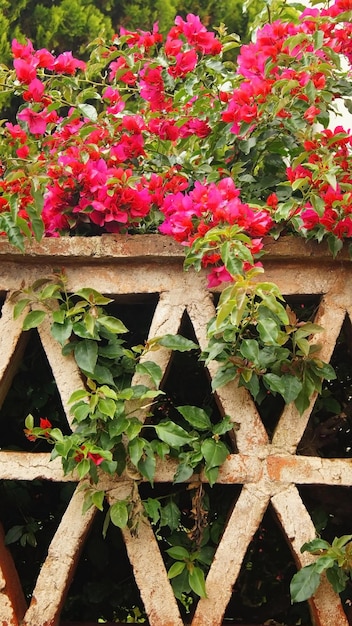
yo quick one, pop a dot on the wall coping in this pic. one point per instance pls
(153, 248)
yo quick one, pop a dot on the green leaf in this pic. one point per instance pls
(179, 553)
(195, 416)
(61, 332)
(153, 370)
(172, 434)
(211, 474)
(81, 410)
(92, 296)
(133, 428)
(177, 342)
(170, 515)
(304, 583)
(340, 542)
(292, 388)
(19, 307)
(117, 426)
(249, 349)
(224, 426)
(98, 499)
(29, 421)
(274, 383)
(176, 569)
(180, 585)
(197, 582)
(152, 509)
(15, 533)
(231, 258)
(214, 452)
(83, 468)
(107, 406)
(223, 376)
(12, 231)
(315, 545)
(86, 354)
(119, 514)
(337, 577)
(323, 563)
(183, 473)
(33, 319)
(268, 331)
(147, 465)
(112, 324)
(88, 111)
(136, 449)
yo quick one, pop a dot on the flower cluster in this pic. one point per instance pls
(151, 134)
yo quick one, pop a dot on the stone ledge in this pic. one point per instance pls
(152, 248)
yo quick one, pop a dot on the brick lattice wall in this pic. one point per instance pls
(268, 471)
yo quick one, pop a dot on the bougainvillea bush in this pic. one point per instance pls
(214, 144)
(171, 136)
(176, 137)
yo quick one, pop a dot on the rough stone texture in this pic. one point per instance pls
(268, 471)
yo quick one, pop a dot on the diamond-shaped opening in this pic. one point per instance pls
(30, 513)
(33, 390)
(329, 430)
(330, 509)
(103, 587)
(192, 516)
(136, 311)
(270, 407)
(261, 593)
(187, 382)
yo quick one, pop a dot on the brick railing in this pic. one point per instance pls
(268, 470)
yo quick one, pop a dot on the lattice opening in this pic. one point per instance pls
(194, 521)
(261, 592)
(330, 509)
(33, 390)
(270, 408)
(329, 430)
(103, 586)
(187, 382)
(30, 513)
(136, 311)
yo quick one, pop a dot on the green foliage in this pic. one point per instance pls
(108, 413)
(260, 342)
(334, 559)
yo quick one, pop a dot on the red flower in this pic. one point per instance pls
(311, 113)
(44, 423)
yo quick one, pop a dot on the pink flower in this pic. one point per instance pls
(65, 63)
(35, 91)
(16, 132)
(218, 275)
(45, 58)
(20, 50)
(25, 69)
(185, 63)
(195, 126)
(197, 35)
(37, 122)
